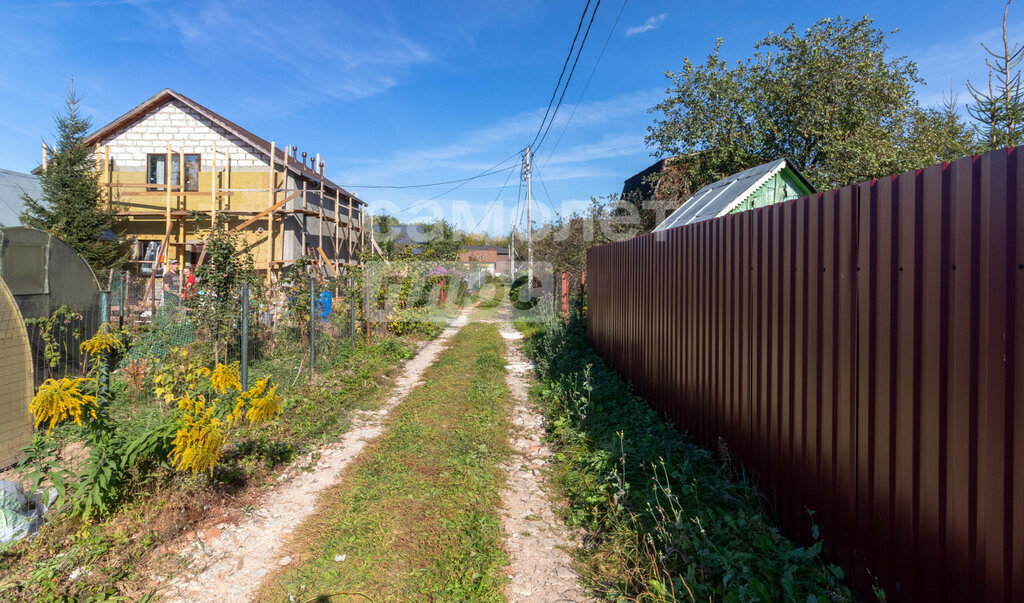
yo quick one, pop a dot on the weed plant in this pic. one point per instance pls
(664, 519)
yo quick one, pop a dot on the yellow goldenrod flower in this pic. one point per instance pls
(198, 443)
(263, 401)
(102, 342)
(58, 400)
(226, 377)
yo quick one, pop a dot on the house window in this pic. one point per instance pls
(156, 169)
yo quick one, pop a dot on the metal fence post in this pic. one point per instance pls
(105, 358)
(124, 299)
(352, 314)
(312, 324)
(245, 338)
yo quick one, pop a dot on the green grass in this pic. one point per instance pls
(416, 517)
(667, 519)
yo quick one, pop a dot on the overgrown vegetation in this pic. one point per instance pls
(664, 519)
(141, 454)
(829, 98)
(415, 519)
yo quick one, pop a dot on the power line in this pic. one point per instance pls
(488, 210)
(564, 64)
(487, 172)
(587, 85)
(569, 79)
(546, 194)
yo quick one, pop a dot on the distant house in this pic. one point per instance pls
(492, 258)
(645, 184)
(170, 168)
(773, 182)
(12, 186)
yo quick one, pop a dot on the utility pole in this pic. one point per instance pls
(512, 253)
(529, 224)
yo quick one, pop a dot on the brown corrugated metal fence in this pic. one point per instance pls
(862, 351)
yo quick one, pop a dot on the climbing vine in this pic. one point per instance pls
(55, 332)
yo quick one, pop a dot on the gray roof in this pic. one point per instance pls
(719, 198)
(12, 186)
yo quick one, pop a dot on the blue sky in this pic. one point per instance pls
(400, 93)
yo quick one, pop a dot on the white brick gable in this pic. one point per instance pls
(185, 130)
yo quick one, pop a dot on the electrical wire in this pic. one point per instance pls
(564, 64)
(587, 85)
(486, 172)
(546, 194)
(488, 210)
(571, 71)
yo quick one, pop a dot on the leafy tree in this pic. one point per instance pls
(386, 232)
(69, 207)
(999, 109)
(441, 241)
(563, 242)
(829, 99)
(227, 265)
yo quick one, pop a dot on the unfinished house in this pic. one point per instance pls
(171, 168)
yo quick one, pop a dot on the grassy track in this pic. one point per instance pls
(417, 517)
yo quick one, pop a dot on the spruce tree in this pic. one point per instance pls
(69, 207)
(999, 109)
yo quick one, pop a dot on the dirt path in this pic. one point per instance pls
(229, 560)
(540, 568)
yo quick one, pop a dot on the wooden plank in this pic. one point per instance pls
(266, 211)
(213, 187)
(270, 216)
(106, 170)
(167, 194)
(337, 230)
(156, 262)
(227, 172)
(351, 235)
(305, 212)
(327, 261)
(180, 235)
(137, 185)
(320, 224)
(178, 193)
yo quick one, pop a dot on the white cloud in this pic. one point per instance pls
(478, 149)
(311, 54)
(652, 23)
(952, 61)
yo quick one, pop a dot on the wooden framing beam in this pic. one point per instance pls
(327, 261)
(182, 204)
(270, 214)
(269, 210)
(167, 192)
(351, 234)
(304, 214)
(337, 230)
(156, 264)
(107, 173)
(320, 223)
(213, 187)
